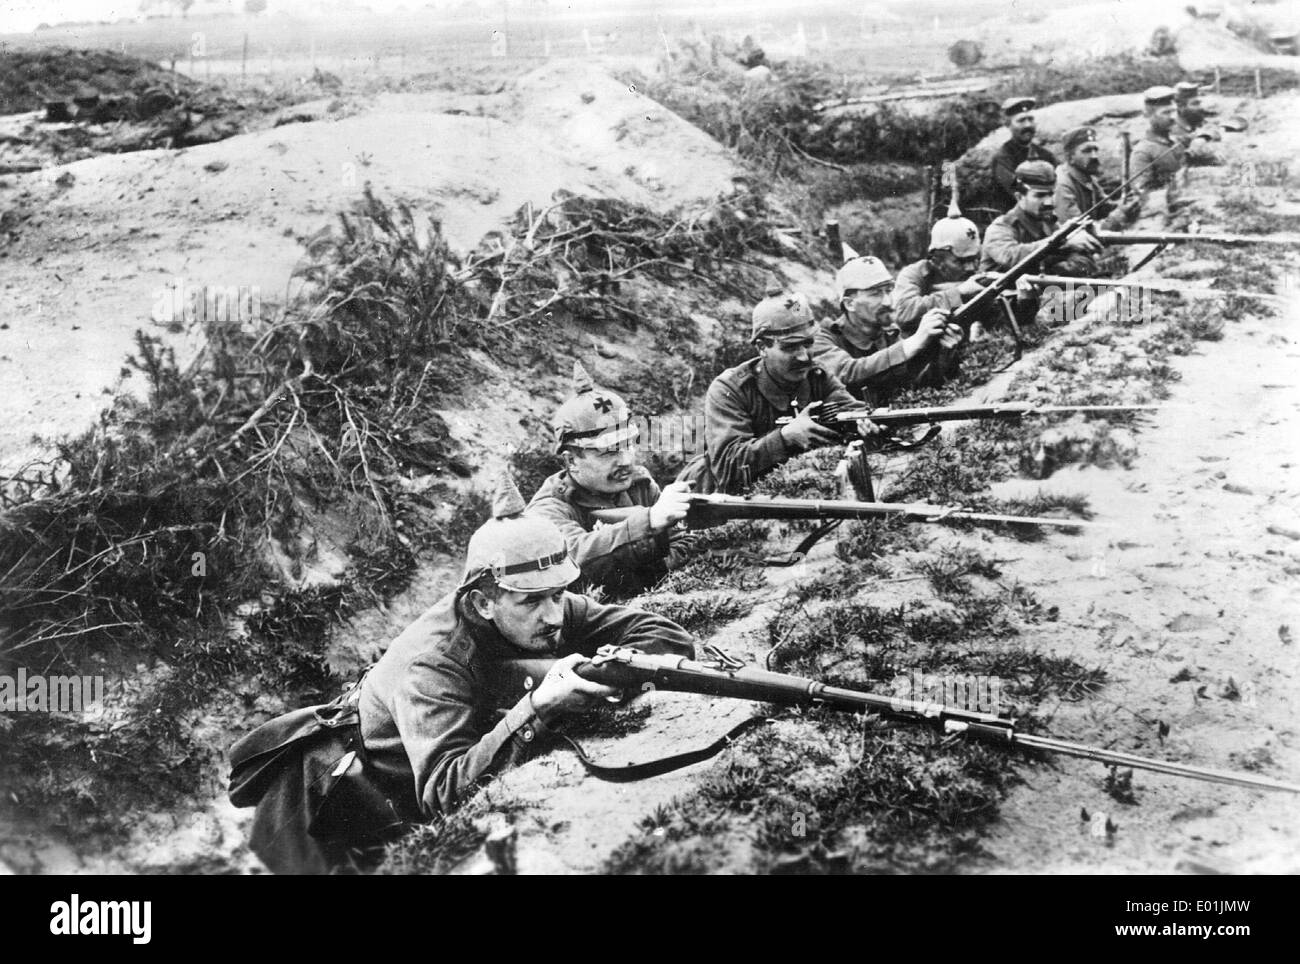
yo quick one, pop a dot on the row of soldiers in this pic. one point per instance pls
(430, 710)
(1176, 133)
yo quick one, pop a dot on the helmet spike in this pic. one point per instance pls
(506, 500)
(581, 379)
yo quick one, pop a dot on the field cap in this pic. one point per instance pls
(1018, 105)
(1035, 174)
(1078, 137)
(1158, 96)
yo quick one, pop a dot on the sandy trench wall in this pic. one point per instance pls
(99, 249)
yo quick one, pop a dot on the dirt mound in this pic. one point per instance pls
(31, 78)
(121, 229)
(79, 104)
(613, 127)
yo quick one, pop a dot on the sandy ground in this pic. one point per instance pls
(1085, 31)
(1198, 592)
(90, 265)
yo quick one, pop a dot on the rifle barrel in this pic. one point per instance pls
(962, 413)
(1231, 240)
(719, 508)
(1170, 287)
(1117, 758)
(723, 676)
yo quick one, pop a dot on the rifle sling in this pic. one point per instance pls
(805, 546)
(654, 768)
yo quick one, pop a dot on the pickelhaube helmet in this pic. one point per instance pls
(780, 313)
(523, 553)
(862, 274)
(955, 233)
(592, 417)
(958, 235)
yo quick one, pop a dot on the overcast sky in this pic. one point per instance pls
(20, 15)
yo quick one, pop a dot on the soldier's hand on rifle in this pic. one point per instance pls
(1025, 290)
(804, 432)
(867, 428)
(672, 506)
(933, 324)
(562, 690)
(1084, 242)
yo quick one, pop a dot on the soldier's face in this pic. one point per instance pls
(869, 312)
(529, 620)
(1087, 157)
(1162, 118)
(789, 359)
(606, 470)
(1038, 202)
(1023, 127)
(949, 268)
(1192, 111)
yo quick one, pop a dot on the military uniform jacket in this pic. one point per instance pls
(622, 558)
(916, 292)
(1010, 156)
(1196, 141)
(1077, 192)
(1155, 161)
(742, 441)
(876, 369)
(1011, 237)
(429, 707)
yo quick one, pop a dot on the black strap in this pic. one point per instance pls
(796, 556)
(654, 768)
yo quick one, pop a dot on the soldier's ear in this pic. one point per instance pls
(482, 603)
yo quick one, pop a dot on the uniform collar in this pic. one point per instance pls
(487, 640)
(578, 495)
(1022, 219)
(881, 339)
(779, 397)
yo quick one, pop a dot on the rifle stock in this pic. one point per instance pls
(630, 669)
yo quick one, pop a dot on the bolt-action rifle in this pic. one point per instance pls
(1164, 287)
(1163, 238)
(710, 510)
(844, 418)
(990, 299)
(720, 674)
